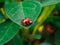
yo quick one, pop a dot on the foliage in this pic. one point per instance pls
(45, 27)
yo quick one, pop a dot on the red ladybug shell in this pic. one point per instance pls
(50, 29)
(26, 22)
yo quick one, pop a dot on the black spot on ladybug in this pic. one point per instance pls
(26, 22)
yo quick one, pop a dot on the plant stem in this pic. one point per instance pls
(4, 13)
(46, 12)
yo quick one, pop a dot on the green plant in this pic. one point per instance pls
(45, 18)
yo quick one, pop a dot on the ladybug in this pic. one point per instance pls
(26, 22)
(50, 30)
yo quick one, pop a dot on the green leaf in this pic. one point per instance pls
(29, 0)
(57, 34)
(45, 43)
(57, 37)
(26, 9)
(15, 41)
(2, 18)
(6, 0)
(58, 6)
(49, 2)
(7, 31)
(2, 0)
(36, 36)
(57, 24)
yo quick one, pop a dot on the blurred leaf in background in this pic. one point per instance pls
(7, 31)
(15, 41)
